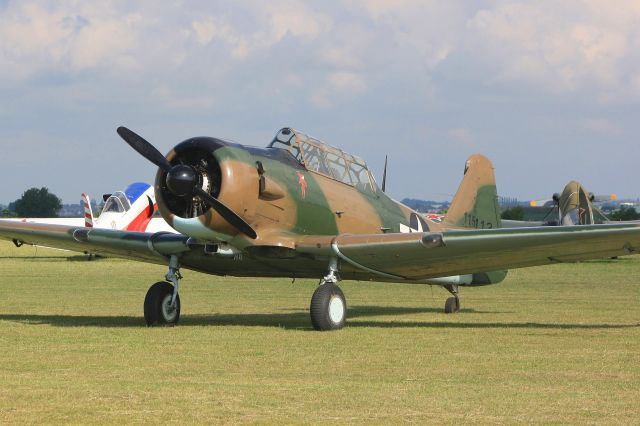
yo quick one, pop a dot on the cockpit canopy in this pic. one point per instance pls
(329, 161)
(116, 203)
(121, 201)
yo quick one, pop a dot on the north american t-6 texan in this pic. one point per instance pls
(300, 208)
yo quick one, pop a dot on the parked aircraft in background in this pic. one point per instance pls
(132, 209)
(301, 208)
(550, 202)
(574, 206)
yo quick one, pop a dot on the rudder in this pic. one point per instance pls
(88, 212)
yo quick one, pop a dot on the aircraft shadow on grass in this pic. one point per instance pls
(617, 260)
(299, 320)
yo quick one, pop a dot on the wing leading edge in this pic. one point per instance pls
(124, 244)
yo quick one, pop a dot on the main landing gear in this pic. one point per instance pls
(162, 303)
(452, 305)
(328, 306)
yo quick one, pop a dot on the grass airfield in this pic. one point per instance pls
(555, 344)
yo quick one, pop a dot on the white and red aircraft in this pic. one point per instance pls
(130, 210)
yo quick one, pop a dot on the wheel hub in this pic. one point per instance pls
(336, 309)
(168, 310)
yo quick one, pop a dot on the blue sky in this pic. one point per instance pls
(548, 90)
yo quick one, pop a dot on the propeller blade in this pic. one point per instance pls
(556, 205)
(548, 213)
(144, 148)
(228, 214)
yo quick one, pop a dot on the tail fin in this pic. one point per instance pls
(88, 213)
(475, 205)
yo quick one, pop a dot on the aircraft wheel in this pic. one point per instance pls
(452, 305)
(157, 305)
(328, 308)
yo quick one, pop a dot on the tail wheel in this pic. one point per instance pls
(452, 305)
(157, 305)
(328, 308)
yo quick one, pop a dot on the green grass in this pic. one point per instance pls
(558, 344)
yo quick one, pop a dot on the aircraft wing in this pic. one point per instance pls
(418, 256)
(124, 244)
(413, 256)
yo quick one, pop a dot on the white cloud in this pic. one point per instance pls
(341, 57)
(204, 30)
(108, 42)
(275, 22)
(462, 136)
(64, 38)
(560, 47)
(602, 125)
(430, 29)
(345, 81)
(240, 45)
(296, 20)
(534, 74)
(339, 86)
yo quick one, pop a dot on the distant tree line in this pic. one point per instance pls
(625, 213)
(8, 211)
(34, 203)
(514, 213)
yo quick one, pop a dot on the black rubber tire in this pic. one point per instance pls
(155, 305)
(320, 308)
(452, 305)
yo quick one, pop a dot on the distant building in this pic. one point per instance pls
(71, 210)
(509, 202)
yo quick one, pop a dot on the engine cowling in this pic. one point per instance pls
(223, 170)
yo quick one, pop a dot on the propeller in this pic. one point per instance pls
(182, 180)
(556, 204)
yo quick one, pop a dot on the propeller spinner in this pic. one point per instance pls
(182, 180)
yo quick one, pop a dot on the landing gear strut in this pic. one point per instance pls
(328, 305)
(452, 305)
(162, 303)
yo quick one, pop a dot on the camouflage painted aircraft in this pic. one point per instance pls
(574, 206)
(303, 209)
